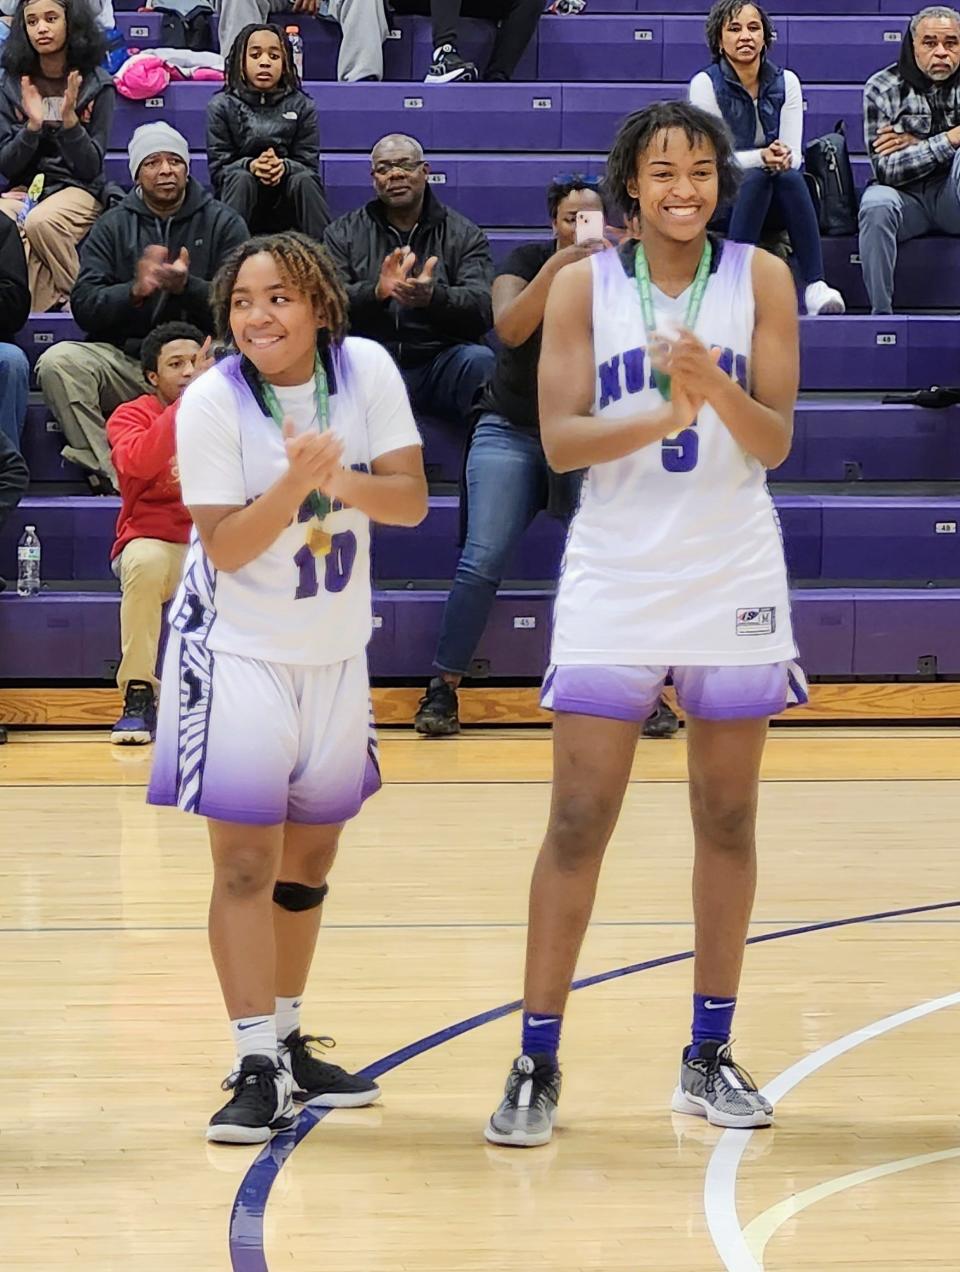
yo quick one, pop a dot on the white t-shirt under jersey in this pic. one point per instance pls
(286, 606)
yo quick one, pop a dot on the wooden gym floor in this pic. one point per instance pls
(113, 1043)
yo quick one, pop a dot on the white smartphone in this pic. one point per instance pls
(589, 226)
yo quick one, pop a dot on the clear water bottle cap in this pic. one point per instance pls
(27, 529)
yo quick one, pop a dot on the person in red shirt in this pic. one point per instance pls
(153, 526)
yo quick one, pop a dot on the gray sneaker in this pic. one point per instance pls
(713, 1086)
(529, 1105)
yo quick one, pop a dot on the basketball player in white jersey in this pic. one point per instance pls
(669, 369)
(287, 450)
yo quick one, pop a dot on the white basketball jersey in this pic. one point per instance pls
(287, 605)
(675, 556)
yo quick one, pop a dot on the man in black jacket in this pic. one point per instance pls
(418, 276)
(13, 482)
(147, 261)
(14, 312)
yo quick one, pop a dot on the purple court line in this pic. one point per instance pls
(249, 1206)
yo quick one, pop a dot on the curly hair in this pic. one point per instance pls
(233, 70)
(725, 11)
(85, 49)
(165, 334)
(638, 133)
(303, 263)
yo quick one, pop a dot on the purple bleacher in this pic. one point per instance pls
(183, 105)
(933, 349)
(897, 628)
(843, 440)
(926, 272)
(59, 636)
(76, 535)
(801, 522)
(140, 30)
(909, 537)
(855, 352)
(846, 50)
(475, 44)
(44, 330)
(824, 627)
(41, 444)
(602, 48)
(442, 450)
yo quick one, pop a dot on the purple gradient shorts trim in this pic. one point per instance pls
(262, 743)
(708, 693)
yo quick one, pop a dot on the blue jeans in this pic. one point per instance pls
(14, 385)
(506, 488)
(448, 386)
(779, 201)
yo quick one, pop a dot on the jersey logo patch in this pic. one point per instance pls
(757, 622)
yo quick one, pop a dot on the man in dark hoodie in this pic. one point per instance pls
(14, 312)
(418, 276)
(147, 261)
(912, 130)
(263, 143)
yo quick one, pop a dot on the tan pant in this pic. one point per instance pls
(50, 236)
(149, 571)
(83, 384)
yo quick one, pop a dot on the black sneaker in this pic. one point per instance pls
(525, 1116)
(138, 724)
(448, 66)
(437, 713)
(260, 1106)
(713, 1085)
(662, 724)
(316, 1082)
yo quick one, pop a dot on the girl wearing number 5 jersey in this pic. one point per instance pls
(669, 369)
(287, 450)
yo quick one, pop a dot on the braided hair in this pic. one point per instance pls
(234, 77)
(304, 264)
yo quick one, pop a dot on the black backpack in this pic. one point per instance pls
(190, 30)
(830, 178)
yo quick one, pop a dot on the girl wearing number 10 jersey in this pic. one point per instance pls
(287, 450)
(668, 368)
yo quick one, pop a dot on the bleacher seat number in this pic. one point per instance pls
(543, 103)
(377, 622)
(394, 35)
(886, 338)
(893, 37)
(946, 527)
(139, 33)
(643, 36)
(524, 624)
(43, 337)
(854, 258)
(53, 426)
(413, 103)
(437, 178)
(154, 103)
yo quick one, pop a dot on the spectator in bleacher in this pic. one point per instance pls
(153, 527)
(56, 107)
(14, 312)
(148, 260)
(762, 105)
(102, 11)
(516, 23)
(912, 129)
(363, 23)
(263, 143)
(418, 277)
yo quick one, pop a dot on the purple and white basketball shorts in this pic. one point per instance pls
(708, 693)
(262, 743)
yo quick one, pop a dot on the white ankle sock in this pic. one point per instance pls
(288, 1016)
(255, 1036)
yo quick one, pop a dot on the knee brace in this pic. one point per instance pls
(297, 896)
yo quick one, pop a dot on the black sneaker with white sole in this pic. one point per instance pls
(662, 724)
(437, 714)
(138, 724)
(315, 1082)
(714, 1086)
(260, 1106)
(526, 1113)
(448, 67)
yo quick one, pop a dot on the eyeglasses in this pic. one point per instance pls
(577, 178)
(385, 167)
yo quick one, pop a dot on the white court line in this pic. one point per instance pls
(720, 1184)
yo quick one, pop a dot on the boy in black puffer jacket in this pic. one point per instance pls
(263, 142)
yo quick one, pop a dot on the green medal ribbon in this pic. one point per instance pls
(318, 503)
(642, 278)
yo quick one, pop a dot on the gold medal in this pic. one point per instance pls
(318, 541)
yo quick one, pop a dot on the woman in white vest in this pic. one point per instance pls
(669, 369)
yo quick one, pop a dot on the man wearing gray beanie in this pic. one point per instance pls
(147, 261)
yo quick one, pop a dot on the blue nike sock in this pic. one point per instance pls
(712, 1018)
(541, 1035)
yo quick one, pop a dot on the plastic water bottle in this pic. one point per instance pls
(34, 192)
(296, 46)
(28, 563)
